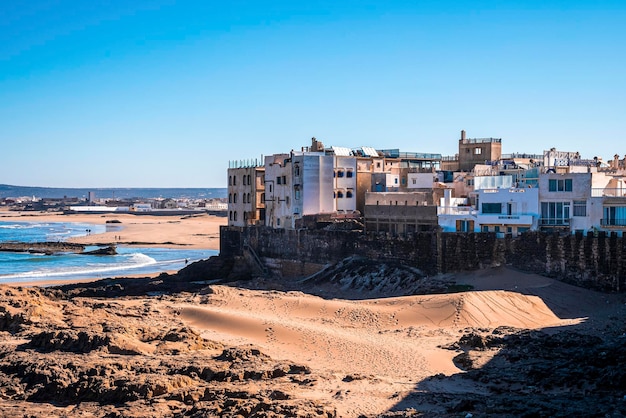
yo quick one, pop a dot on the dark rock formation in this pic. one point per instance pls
(110, 250)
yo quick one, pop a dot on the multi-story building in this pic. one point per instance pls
(566, 199)
(399, 212)
(246, 193)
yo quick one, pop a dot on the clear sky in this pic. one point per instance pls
(164, 93)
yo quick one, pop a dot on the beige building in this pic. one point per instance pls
(400, 213)
(246, 194)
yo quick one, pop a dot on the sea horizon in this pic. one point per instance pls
(12, 191)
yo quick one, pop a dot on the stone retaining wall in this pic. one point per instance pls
(593, 261)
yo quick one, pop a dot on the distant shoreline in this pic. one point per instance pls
(199, 231)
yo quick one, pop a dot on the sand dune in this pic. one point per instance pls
(395, 342)
(385, 337)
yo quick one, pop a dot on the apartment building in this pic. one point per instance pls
(246, 193)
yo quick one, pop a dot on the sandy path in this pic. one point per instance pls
(197, 231)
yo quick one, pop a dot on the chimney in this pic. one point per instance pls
(463, 135)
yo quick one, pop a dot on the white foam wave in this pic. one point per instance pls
(130, 262)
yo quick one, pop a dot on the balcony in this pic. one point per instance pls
(613, 222)
(607, 192)
(456, 210)
(556, 222)
(501, 219)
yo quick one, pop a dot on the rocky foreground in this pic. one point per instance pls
(171, 347)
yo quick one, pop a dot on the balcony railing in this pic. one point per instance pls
(456, 210)
(503, 219)
(613, 222)
(554, 222)
(614, 192)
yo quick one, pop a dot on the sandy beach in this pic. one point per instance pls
(189, 231)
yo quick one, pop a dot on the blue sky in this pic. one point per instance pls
(164, 93)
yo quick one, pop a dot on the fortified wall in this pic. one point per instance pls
(594, 261)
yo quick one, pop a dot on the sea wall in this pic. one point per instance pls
(595, 260)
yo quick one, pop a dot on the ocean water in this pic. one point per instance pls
(27, 267)
(112, 193)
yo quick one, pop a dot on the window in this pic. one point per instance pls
(234, 180)
(555, 213)
(235, 216)
(349, 194)
(278, 222)
(478, 151)
(339, 194)
(270, 187)
(287, 199)
(580, 208)
(464, 226)
(492, 208)
(560, 185)
(278, 180)
(349, 173)
(249, 201)
(230, 215)
(297, 170)
(244, 179)
(230, 198)
(230, 180)
(340, 173)
(403, 180)
(235, 201)
(245, 216)
(395, 181)
(414, 181)
(614, 215)
(297, 194)
(249, 179)
(284, 179)
(485, 228)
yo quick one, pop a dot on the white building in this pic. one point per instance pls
(566, 201)
(507, 211)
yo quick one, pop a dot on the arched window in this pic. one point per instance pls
(230, 180)
(339, 194)
(234, 180)
(235, 216)
(230, 215)
(249, 198)
(349, 193)
(249, 179)
(235, 201)
(243, 178)
(230, 198)
(245, 216)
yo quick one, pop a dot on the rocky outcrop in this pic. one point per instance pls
(110, 250)
(41, 247)
(98, 358)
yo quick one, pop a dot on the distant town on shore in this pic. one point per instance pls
(104, 200)
(479, 189)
